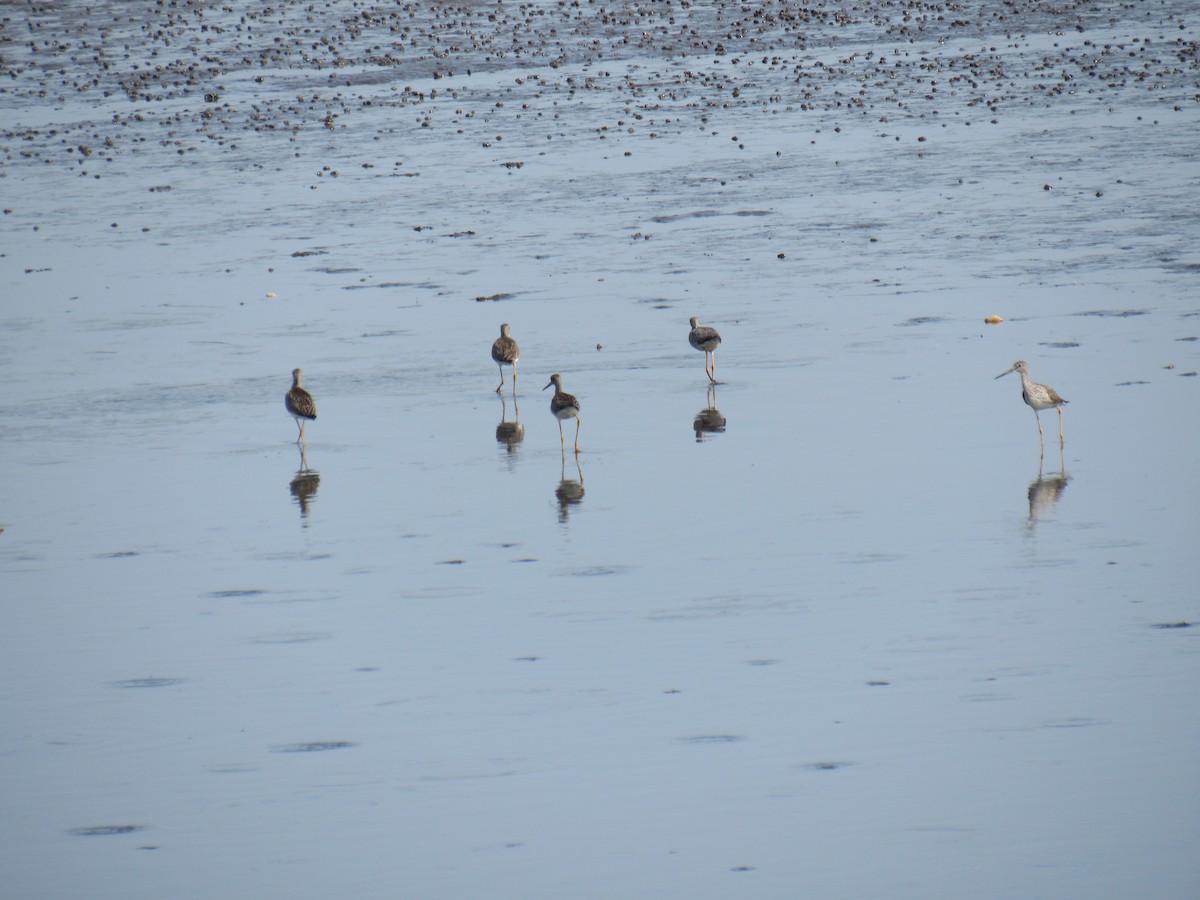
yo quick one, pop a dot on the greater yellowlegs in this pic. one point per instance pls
(704, 338)
(1038, 396)
(506, 352)
(564, 406)
(300, 404)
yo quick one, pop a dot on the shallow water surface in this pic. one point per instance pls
(838, 606)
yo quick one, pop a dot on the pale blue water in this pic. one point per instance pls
(853, 645)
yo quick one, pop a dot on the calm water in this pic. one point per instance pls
(853, 614)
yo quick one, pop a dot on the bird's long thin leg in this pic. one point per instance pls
(712, 376)
(577, 434)
(514, 379)
(562, 440)
(501, 384)
(1061, 440)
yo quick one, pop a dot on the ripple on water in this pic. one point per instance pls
(712, 739)
(302, 637)
(825, 766)
(1114, 313)
(104, 830)
(596, 571)
(313, 746)
(148, 682)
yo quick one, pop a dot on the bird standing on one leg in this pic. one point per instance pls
(300, 404)
(704, 338)
(564, 406)
(506, 352)
(1038, 396)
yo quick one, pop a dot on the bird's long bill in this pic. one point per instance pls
(1005, 372)
(548, 385)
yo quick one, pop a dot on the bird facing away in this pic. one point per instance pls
(1038, 396)
(704, 338)
(564, 406)
(300, 404)
(506, 352)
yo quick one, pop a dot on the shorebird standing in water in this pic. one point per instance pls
(300, 404)
(1038, 396)
(506, 352)
(564, 406)
(704, 338)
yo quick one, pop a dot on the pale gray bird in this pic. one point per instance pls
(1038, 396)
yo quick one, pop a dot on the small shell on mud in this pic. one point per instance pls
(993, 320)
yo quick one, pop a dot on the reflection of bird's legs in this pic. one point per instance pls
(576, 434)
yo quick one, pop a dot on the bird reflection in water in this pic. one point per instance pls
(1045, 491)
(569, 491)
(709, 420)
(509, 433)
(304, 485)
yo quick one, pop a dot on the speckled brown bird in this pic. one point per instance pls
(506, 352)
(564, 406)
(300, 404)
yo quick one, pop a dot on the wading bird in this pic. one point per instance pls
(506, 352)
(1038, 396)
(564, 406)
(300, 404)
(704, 338)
